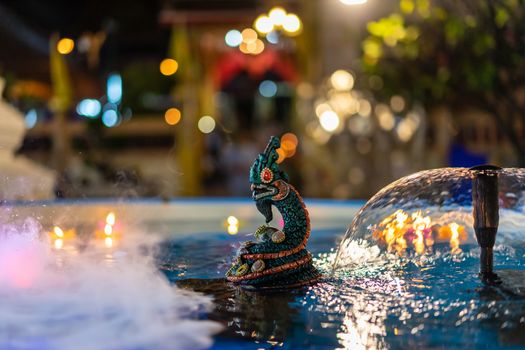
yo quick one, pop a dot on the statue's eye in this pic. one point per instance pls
(266, 175)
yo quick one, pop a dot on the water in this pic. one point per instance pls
(89, 294)
(420, 302)
(405, 276)
(93, 294)
(432, 206)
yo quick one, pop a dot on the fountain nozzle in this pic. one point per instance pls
(485, 210)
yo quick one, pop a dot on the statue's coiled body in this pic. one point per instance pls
(278, 258)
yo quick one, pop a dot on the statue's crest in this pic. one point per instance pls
(265, 168)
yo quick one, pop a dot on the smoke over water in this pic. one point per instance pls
(92, 298)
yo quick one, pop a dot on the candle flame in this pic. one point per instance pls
(59, 243)
(110, 219)
(233, 229)
(58, 232)
(233, 225)
(108, 230)
(232, 221)
(454, 238)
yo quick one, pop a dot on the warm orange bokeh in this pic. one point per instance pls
(401, 230)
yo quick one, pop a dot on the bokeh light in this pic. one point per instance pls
(321, 108)
(59, 243)
(289, 142)
(108, 230)
(263, 24)
(256, 47)
(292, 24)
(273, 37)
(343, 103)
(172, 116)
(232, 220)
(65, 46)
(233, 38)
(233, 225)
(206, 124)
(342, 80)
(244, 48)
(249, 36)
(31, 118)
(268, 88)
(111, 219)
(259, 47)
(385, 117)
(329, 121)
(290, 138)
(365, 108)
(287, 145)
(277, 16)
(404, 131)
(89, 108)
(114, 88)
(282, 155)
(290, 153)
(58, 232)
(233, 229)
(168, 66)
(252, 48)
(397, 103)
(110, 118)
(277, 20)
(289, 149)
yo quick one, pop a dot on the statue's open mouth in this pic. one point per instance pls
(262, 191)
(261, 195)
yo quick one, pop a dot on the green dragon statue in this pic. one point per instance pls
(278, 258)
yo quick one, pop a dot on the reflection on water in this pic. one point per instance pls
(262, 317)
(416, 301)
(381, 301)
(432, 301)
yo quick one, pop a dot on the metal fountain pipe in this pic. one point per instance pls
(485, 211)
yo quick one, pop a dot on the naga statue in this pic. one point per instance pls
(278, 258)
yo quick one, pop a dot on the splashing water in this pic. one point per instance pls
(431, 210)
(92, 298)
(408, 264)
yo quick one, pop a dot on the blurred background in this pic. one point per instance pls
(170, 98)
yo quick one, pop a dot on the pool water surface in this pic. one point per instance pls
(431, 302)
(113, 289)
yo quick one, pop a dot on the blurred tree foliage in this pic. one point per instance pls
(469, 52)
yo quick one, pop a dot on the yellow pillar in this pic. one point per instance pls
(188, 138)
(60, 104)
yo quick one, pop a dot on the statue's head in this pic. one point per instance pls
(269, 184)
